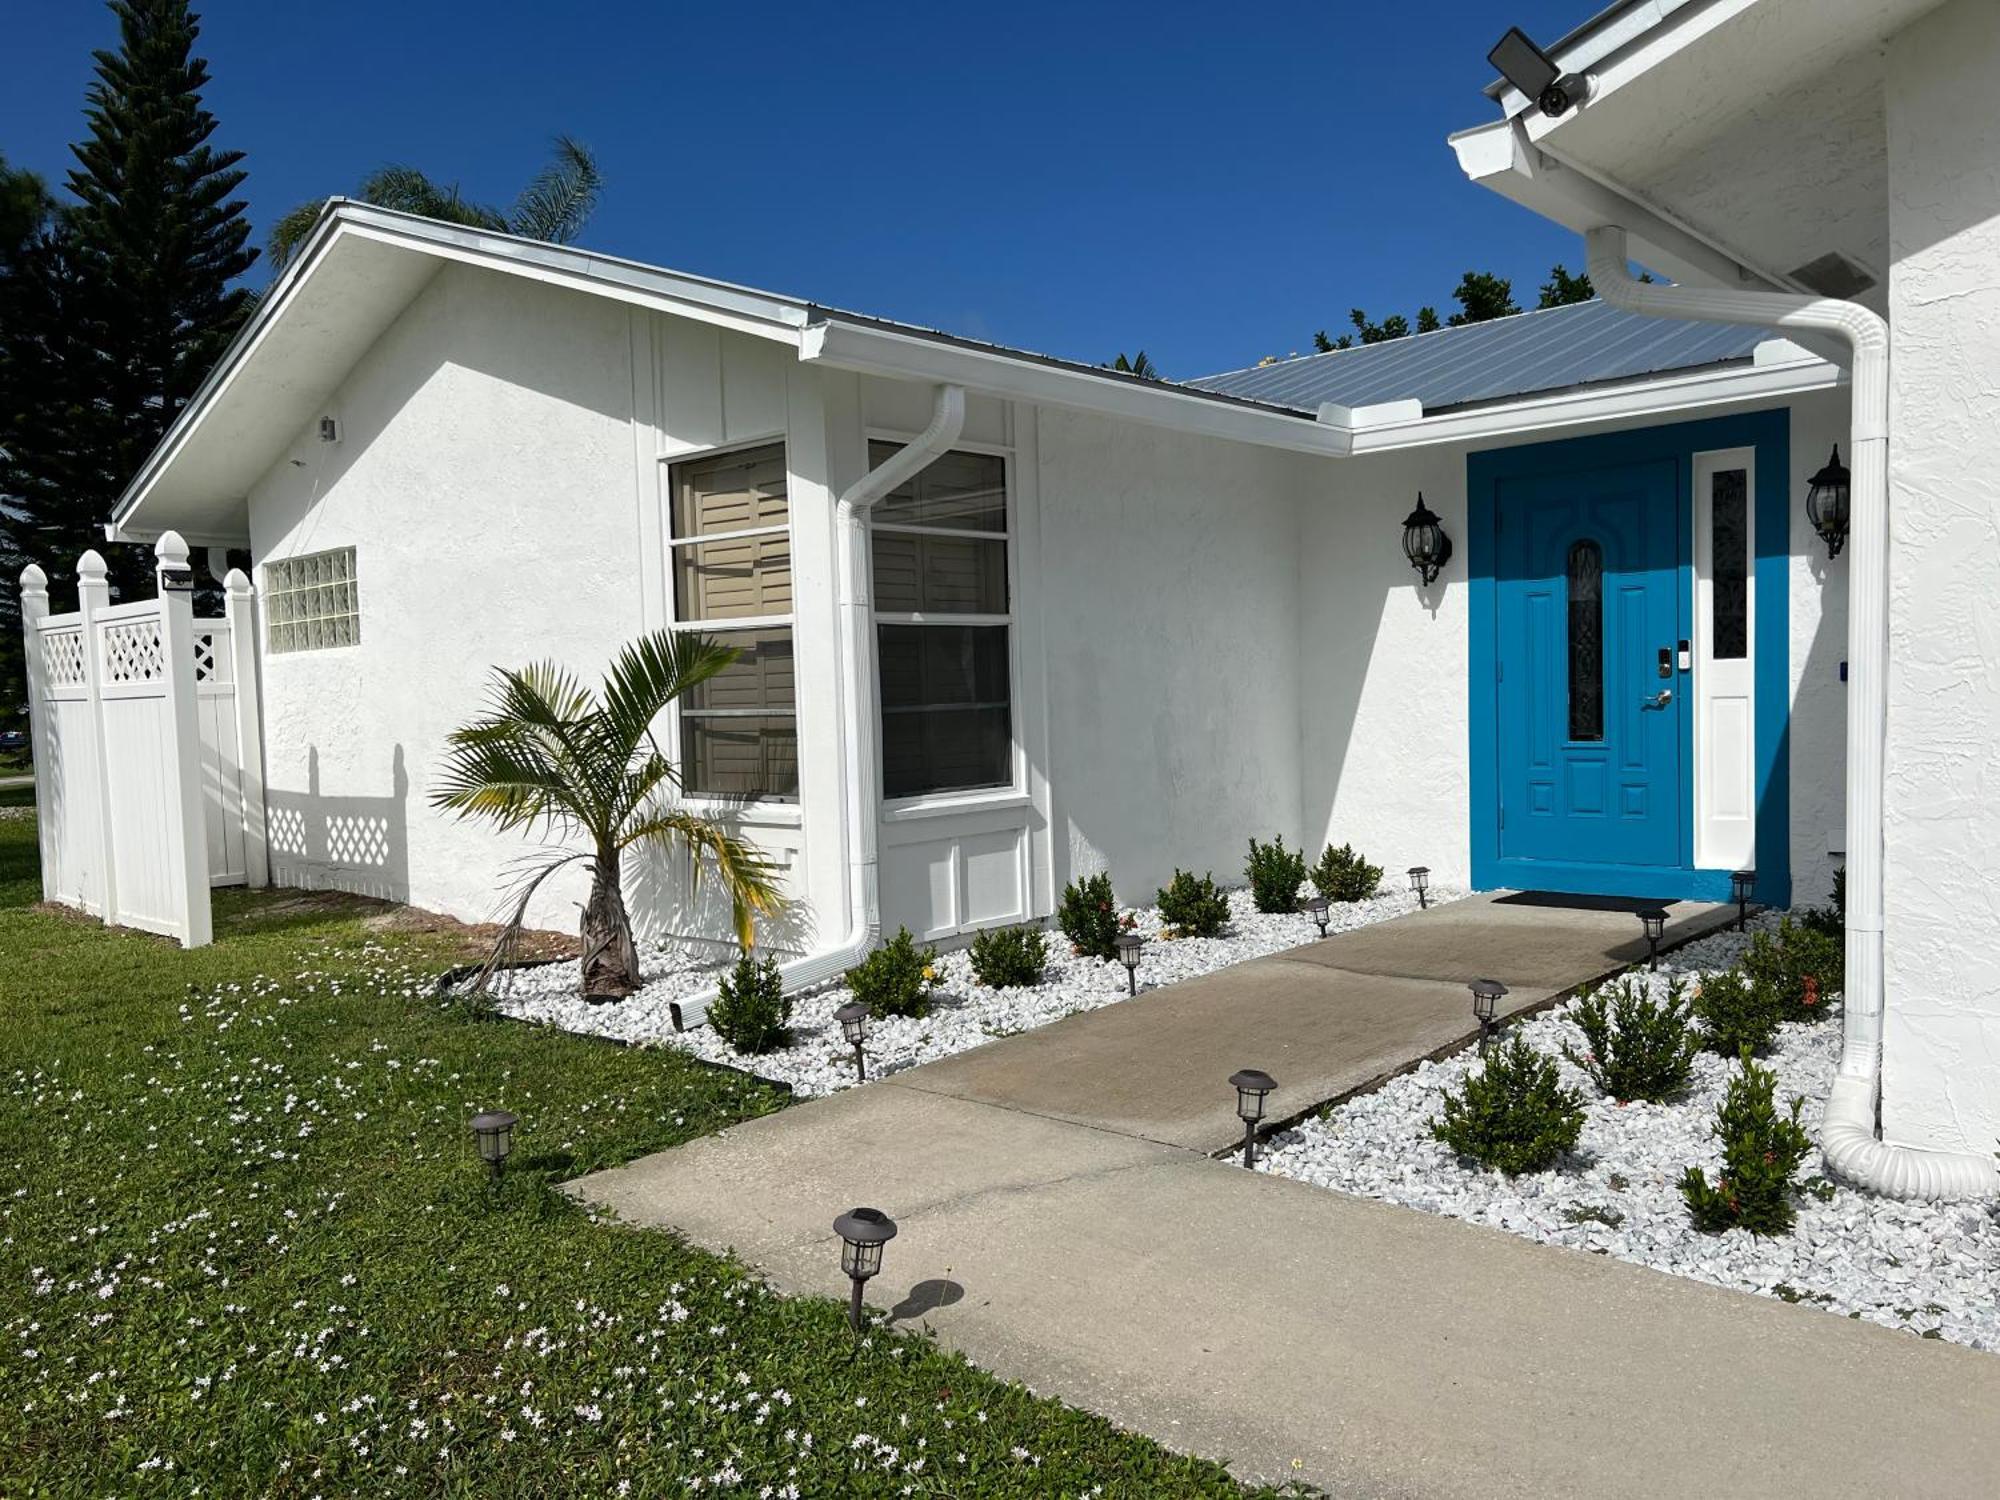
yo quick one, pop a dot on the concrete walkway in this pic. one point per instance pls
(1078, 1237)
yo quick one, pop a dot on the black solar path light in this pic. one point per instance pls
(493, 1131)
(853, 1018)
(1656, 923)
(1486, 995)
(1315, 907)
(863, 1232)
(1742, 885)
(1128, 944)
(1252, 1086)
(1420, 882)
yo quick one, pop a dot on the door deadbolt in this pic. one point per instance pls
(1666, 662)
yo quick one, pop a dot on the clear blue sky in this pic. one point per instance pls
(1209, 182)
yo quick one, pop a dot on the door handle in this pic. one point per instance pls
(1660, 699)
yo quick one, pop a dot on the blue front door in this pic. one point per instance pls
(1588, 696)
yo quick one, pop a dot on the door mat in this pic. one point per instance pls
(1571, 902)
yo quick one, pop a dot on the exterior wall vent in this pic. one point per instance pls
(1833, 275)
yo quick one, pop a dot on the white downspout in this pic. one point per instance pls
(857, 704)
(1848, 1138)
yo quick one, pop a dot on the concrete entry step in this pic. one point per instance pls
(1325, 1020)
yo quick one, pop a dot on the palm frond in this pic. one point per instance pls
(556, 204)
(534, 757)
(525, 887)
(290, 232)
(410, 191)
(750, 879)
(652, 672)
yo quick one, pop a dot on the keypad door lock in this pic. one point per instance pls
(1666, 662)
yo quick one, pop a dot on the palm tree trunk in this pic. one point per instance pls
(610, 960)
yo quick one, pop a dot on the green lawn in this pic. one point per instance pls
(245, 1248)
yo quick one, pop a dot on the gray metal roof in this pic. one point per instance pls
(1550, 349)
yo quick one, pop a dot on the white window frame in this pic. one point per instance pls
(765, 808)
(1723, 843)
(1014, 791)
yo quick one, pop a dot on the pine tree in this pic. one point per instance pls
(156, 240)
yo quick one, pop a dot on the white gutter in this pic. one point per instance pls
(1848, 1136)
(857, 703)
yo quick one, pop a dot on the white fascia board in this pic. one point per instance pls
(270, 309)
(738, 308)
(881, 351)
(734, 308)
(1501, 158)
(1671, 396)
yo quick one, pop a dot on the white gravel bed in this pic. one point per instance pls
(1932, 1269)
(967, 1013)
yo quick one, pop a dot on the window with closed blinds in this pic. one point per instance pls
(731, 562)
(943, 617)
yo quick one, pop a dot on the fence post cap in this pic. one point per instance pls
(171, 550)
(238, 582)
(91, 565)
(34, 580)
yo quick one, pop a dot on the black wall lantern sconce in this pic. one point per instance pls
(1486, 995)
(1315, 907)
(1826, 503)
(1128, 945)
(863, 1232)
(1425, 543)
(494, 1132)
(853, 1018)
(1420, 882)
(1252, 1086)
(1655, 923)
(1742, 885)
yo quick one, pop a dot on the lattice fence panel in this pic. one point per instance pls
(62, 651)
(132, 652)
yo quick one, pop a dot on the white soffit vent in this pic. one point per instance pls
(1833, 275)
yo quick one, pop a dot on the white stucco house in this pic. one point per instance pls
(1007, 619)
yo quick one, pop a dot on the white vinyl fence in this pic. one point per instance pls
(148, 760)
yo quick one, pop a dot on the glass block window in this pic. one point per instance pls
(311, 603)
(730, 560)
(943, 626)
(1586, 641)
(1729, 539)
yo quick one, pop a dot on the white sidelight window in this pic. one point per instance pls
(1725, 638)
(731, 563)
(943, 623)
(311, 603)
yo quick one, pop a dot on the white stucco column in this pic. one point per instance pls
(1941, 798)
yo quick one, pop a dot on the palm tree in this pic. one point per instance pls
(1136, 364)
(583, 765)
(553, 207)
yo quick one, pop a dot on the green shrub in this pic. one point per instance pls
(1088, 917)
(1639, 1047)
(1193, 908)
(1761, 1148)
(1343, 875)
(1514, 1115)
(1830, 921)
(752, 1012)
(1798, 971)
(897, 978)
(1011, 955)
(1735, 1014)
(1275, 874)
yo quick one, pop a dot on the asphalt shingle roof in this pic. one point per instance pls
(1550, 349)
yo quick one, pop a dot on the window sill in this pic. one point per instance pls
(763, 814)
(944, 804)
